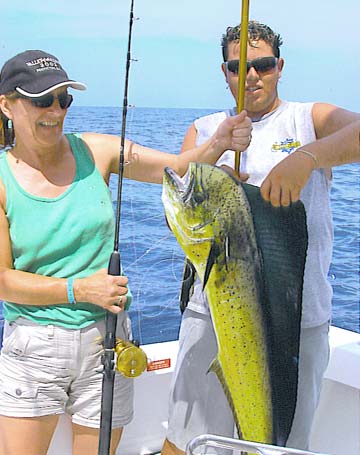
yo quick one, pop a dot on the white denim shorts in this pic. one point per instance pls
(46, 370)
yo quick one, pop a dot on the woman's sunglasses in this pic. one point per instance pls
(261, 65)
(65, 100)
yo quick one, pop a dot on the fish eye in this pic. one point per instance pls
(199, 197)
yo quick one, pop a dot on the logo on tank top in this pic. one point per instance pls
(286, 146)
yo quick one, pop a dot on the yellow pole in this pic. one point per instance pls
(242, 67)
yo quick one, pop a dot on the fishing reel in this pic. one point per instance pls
(130, 360)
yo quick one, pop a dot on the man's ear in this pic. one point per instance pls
(280, 64)
(223, 69)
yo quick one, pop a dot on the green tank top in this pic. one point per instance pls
(68, 236)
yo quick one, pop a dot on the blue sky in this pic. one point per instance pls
(177, 45)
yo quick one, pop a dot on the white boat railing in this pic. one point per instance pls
(220, 442)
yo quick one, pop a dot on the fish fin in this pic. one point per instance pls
(215, 367)
(211, 260)
(188, 279)
(281, 235)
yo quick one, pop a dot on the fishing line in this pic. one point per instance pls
(148, 218)
(149, 250)
(146, 242)
(141, 298)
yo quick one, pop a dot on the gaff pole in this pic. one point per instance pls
(114, 268)
(242, 67)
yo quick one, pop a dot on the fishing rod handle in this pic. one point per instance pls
(106, 415)
(114, 267)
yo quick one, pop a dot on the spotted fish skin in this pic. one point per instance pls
(213, 224)
(256, 318)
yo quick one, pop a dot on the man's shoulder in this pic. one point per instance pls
(219, 114)
(297, 105)
(214, 118)
(206, 126)
(299, 111)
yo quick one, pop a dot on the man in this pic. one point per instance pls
(197, 402)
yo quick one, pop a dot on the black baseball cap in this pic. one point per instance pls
(35, 73)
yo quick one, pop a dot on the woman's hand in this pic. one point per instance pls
(234, 133)
(102, 289)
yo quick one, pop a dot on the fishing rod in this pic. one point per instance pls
(114, 268)
(242, 67)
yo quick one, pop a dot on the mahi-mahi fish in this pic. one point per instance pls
(250, 257)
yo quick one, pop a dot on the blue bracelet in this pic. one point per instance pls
(70, 291)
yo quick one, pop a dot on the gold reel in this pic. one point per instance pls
(131, 360)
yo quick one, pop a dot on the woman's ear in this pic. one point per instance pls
(5, 106)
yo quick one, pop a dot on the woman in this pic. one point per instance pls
(56, 237)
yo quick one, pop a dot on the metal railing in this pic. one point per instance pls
(209, 440)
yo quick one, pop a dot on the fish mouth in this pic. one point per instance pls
(173, 188)
(181, 190)
(182, 186)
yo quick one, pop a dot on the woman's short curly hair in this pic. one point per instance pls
(256, 32)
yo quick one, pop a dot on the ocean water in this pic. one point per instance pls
(150, 255)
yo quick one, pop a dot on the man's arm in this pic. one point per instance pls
(189, 140)
(328, 119)
(286, 180)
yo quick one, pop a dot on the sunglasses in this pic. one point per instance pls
(65, 100)
(261, 65)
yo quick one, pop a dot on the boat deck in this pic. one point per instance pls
(336, 428)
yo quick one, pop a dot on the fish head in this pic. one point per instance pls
(196, 207)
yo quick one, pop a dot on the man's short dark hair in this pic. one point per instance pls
(256, 32)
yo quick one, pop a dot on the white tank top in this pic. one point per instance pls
(274, 137)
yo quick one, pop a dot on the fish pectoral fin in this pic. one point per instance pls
(188, 279)
(215, 367)
(211, 260)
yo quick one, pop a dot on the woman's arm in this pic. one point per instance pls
(189, 142)
(28, 288)
(147, 165)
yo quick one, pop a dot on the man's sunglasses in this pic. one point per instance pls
(261, 65)
(65, 100)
